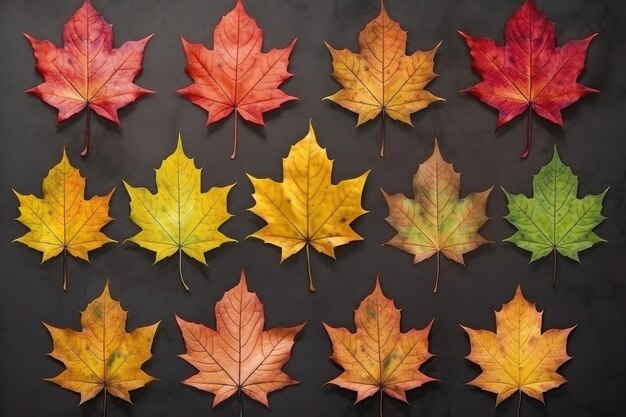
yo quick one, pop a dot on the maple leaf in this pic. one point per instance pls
(88, 71)
(102, 356)
(436, 220)
(555, 219)
(382, 78)
(63, 221)
(236, 76)
(179, 217)
(518, 357)
(529, 71)
(378, 356)
(307, 209)
(239, 356)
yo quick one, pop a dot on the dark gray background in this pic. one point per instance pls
(591, 295)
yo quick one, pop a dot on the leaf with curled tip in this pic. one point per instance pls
(239, 356)
(378, 356)
(382, 78)
(235, 76)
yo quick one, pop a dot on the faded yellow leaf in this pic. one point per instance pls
(102, 356)
(518, 357)
(436, 220)
(307, 209)
(63, 221)
(179, 217)
(382, 78)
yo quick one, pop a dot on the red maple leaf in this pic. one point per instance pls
(88, 71)
(529, 71)
(236, 75)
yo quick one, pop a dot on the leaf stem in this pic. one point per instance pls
(104, 407)
(85, 150)
(382, 135)
(240, 400)
(308, 264)
(380, 404)
(554, 269)
(180, 268)
(65, 269)
(519, 403)
(437, 275)
(528, 133)
(234, 154)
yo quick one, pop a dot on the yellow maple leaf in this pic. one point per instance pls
(307, 209)
(382, 78)
(436, 220)
(102, 356)
(518, 357)
(179, 217)
(63, 220)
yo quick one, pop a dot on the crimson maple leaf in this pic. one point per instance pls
(236, 75)
(529, 71)
(88, 71)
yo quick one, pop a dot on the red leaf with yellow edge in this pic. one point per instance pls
(529, 71)
(88, 71)
(378, 356)
(238, 356)
(236, 76)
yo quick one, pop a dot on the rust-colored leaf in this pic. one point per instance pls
(238, 356)
(88, 71)
(378, 356)
(236, 76)
(529, 71)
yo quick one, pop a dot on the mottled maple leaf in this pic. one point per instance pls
(239, 356)
(102, 356)
(529, 71)
(381, 78)
(306, 208)
(436, 220)
(378, 356)
(518, 357)
(235, 76)
(88, 71)
(63, 221)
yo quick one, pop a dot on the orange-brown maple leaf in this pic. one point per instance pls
(236, 75)
(378, 356)
(529, 71)
(239, 356)
(88, 71)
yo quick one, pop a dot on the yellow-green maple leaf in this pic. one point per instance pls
(179, 217)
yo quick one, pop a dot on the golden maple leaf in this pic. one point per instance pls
(239, 356)
(63, 221)
(307, 209)
(518, 357)
(102, 356)
(378, 356)
(179, 217)
(437, 220)
(382, 78)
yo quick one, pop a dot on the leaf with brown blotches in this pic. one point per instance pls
(88, 71)
(378, 356)
(63, 220)
(239, 356)
(436, 220)
(382, 78)
(306, 208)
(518, 357)
(235, 76)
(102, 356)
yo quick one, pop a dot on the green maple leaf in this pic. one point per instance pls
(555, 219)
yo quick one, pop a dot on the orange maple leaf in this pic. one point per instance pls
(88, 71)
(236, 75)
(239, 356)
(378, 356)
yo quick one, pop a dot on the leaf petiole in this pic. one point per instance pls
(308, 264)
(85, 150)
(180, 268)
